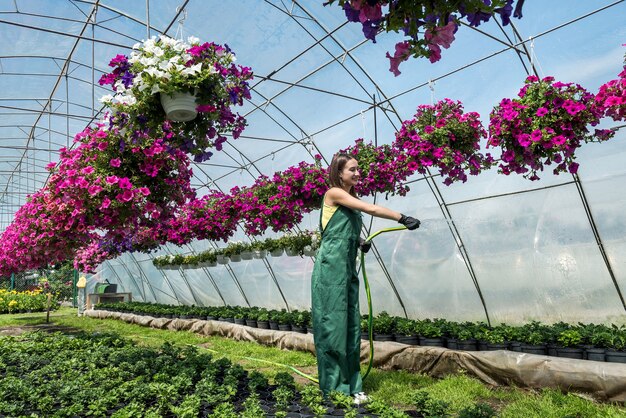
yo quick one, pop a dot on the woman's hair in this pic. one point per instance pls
(336, 166)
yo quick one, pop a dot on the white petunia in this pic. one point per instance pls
(193, 40)
(155, 89)
(107, 98)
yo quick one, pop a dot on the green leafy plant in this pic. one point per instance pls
(383, 323)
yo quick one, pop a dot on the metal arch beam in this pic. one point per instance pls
(266, 263)
(60, 76)
(147, 280)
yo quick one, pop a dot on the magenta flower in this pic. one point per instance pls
(115, 162)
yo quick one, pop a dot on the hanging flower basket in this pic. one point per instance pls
(247, 255)
(278, 252)
(235, 258)
(179, 107)
(442, 136)
(258, 254)
(544, 125)
(310, 252)
(291, 252)
(222, 259)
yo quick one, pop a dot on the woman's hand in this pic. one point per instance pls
(410, 222)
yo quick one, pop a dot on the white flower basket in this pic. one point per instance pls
(208, 264)
(310, 253)
(247, 255)
(259, 254)
(179, 107)
(277, 253)
(222, 259)
(235, 258)
(291, 252)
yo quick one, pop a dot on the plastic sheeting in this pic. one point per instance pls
(605, 381)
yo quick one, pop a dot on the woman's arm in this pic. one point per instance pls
(336, 196)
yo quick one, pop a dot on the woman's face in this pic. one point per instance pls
(350, 174)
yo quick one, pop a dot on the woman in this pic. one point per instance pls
(335, 284)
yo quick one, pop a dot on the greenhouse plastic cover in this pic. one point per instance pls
(498, 248)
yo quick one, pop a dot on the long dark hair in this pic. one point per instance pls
(336, 166)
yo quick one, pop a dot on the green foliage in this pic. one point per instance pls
(480, 410)
(427, 406)
(383, 323)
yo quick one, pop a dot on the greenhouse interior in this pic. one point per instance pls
(312, 208)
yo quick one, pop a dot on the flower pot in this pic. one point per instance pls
(497, 346)
(383, 337)
(407, 339)
(595, 354)
(246, 255)
(231, 320)
(277, 253)
(452, 343)
(222, 259)
(290, 252)
(467, 345)
(310, 253)
(431, 342)
(284, 327)
(251, 323)
(301, 330)
(263, 324)
(309, 330)
(614, 356)
(179, 107)
(259, 254)
(515, 346)
(273, 325)
(570, 352)
(534, 349)
(240, 321)
(235, 258)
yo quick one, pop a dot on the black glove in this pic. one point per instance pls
(364, 245)
(410, 222)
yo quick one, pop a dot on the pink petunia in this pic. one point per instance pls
(115, 162)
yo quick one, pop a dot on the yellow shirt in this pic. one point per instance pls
(327, 213)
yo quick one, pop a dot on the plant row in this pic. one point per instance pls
(104, 375)
(37, 300)
(300, 243)
(390, 328)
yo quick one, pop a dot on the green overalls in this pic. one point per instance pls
(335, 304)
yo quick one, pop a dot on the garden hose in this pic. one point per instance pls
(369, 296)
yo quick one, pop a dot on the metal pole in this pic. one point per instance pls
(74, 289)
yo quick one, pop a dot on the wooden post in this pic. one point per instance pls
(48, 308)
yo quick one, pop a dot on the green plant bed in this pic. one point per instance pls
(395, 387)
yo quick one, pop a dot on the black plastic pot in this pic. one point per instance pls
(467, 345)
(263, 324)
(407, 339)
(240, 321)
(452, 343)
(570, 352)
(211, 318)
(497, 346)
(301, 330)
(595, 354)
(432, 342)
(251, 323)
(273, 325)
(230, 320)
(534, 349)
(284, 327)
(309, 330)
(615, 356)
(383, 337)
(515, 346)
